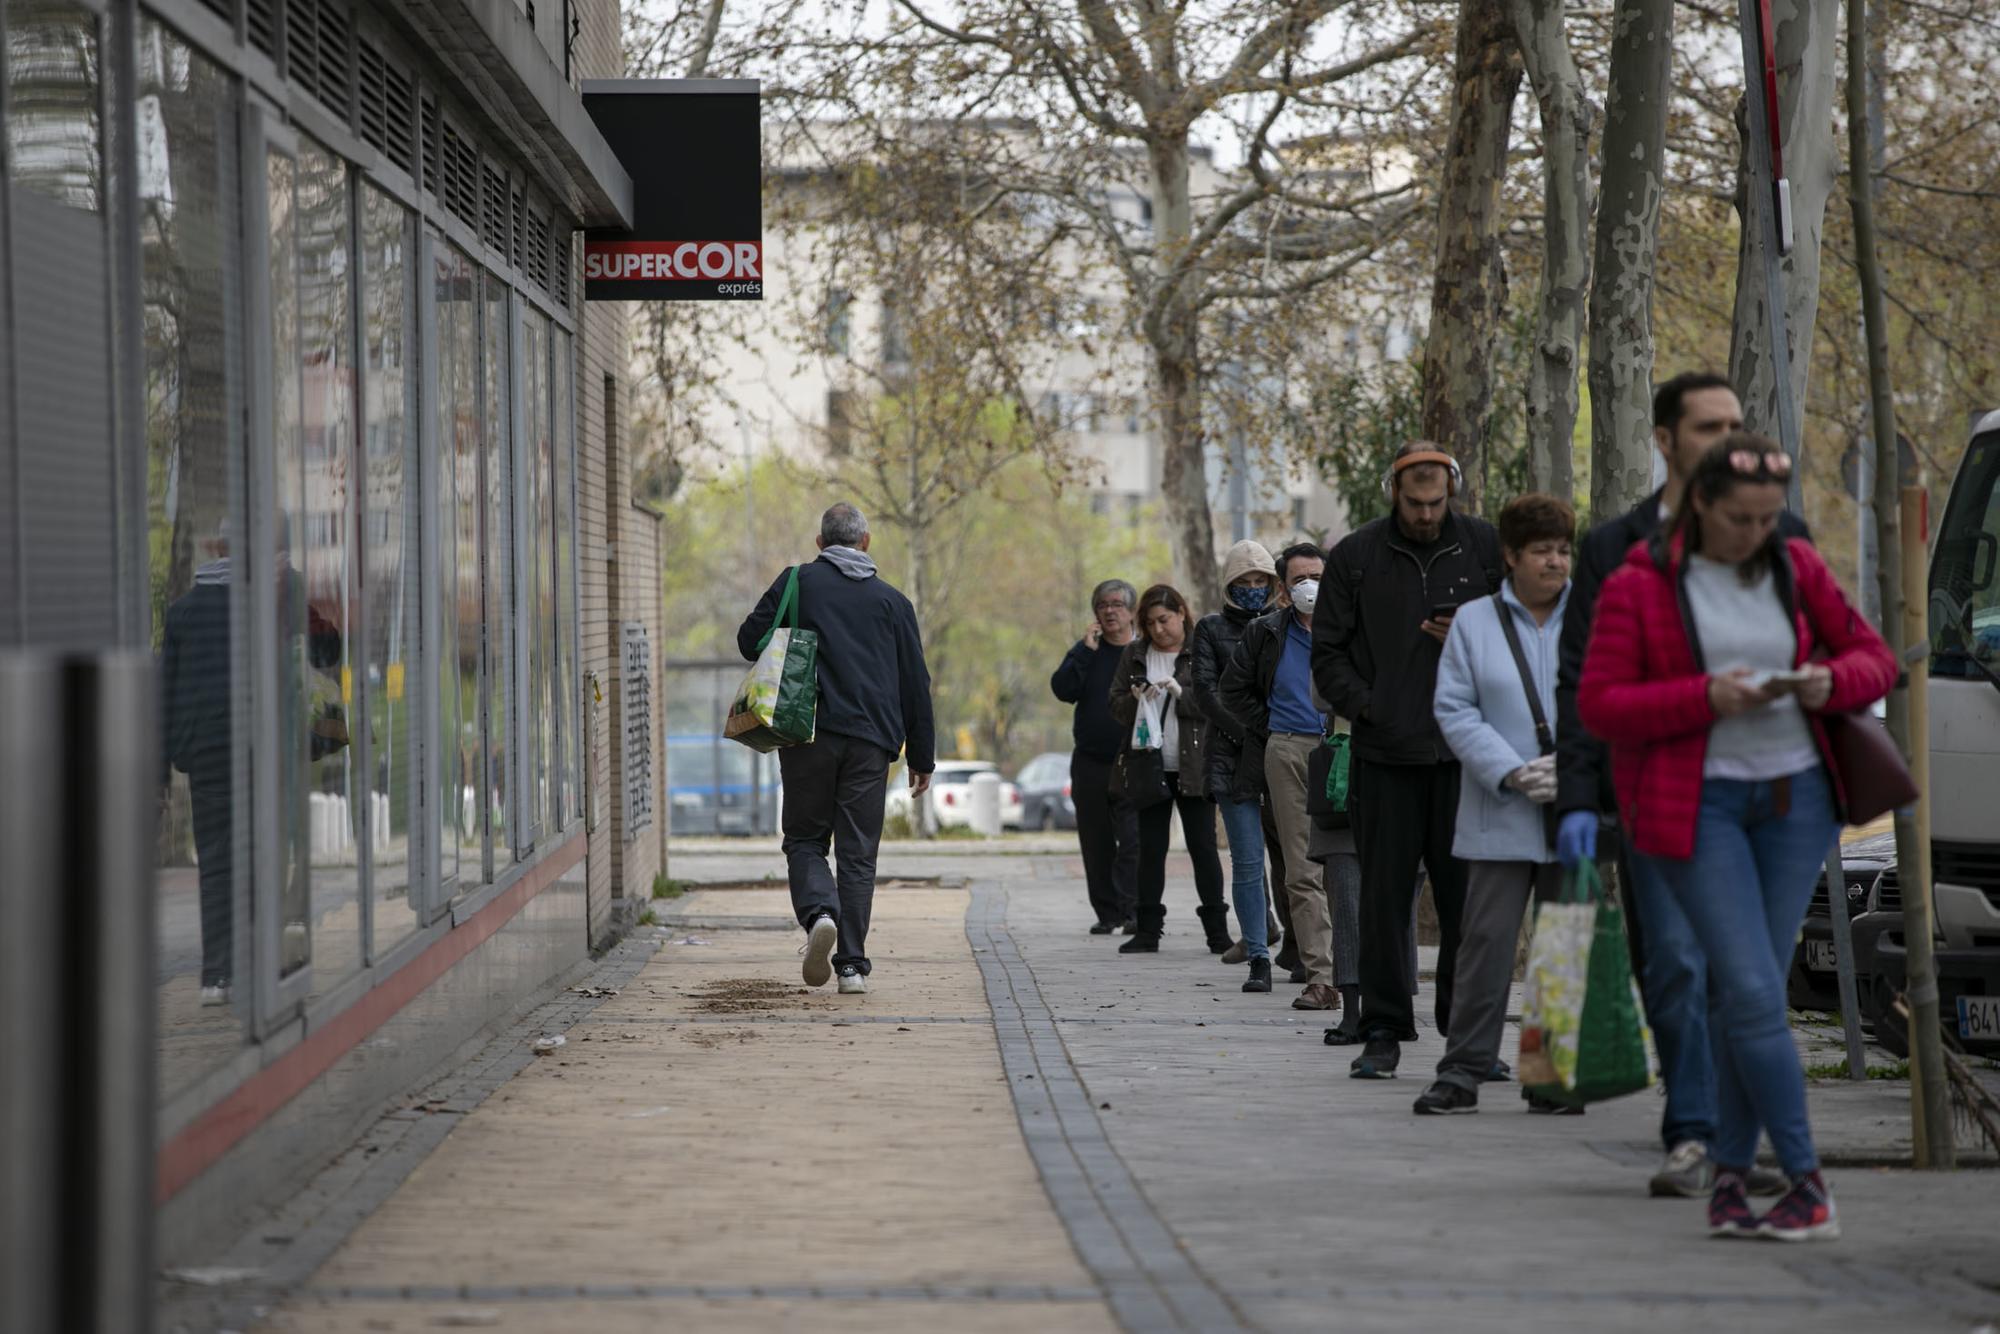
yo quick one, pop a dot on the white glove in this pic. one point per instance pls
(1171, 686)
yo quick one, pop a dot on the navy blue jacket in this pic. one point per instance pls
(1084, 679)
(872, 680)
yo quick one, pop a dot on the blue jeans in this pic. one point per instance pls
(1745, 892)
(1674, 978)
(1245, 822)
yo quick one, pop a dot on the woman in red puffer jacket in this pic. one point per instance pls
(1715, 653)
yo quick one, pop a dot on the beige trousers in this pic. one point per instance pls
(1285, 760)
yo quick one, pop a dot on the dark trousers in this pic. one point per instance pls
(833, 798)
(1404, 814)
(214, 846)
(1198, 828)
(1274, 848)
(1107, 831)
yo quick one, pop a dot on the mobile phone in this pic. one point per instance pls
(1444, 611)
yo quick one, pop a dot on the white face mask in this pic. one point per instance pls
(1305, 594)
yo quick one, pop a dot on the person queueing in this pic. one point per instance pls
(1107, 828)
(874, 703)
(1332, 847)
(1691, 413)
(1268, 687)
(1234, 778)
(1159, 666)
(1719, 646)
(1495, 704)
(1392, 587)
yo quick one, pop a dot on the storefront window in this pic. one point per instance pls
(538, 566)
(392, 584)
(461, 753)
(496, 469)
(320, 900)
(189, 255)
(566, 688)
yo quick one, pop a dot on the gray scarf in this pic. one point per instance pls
(850, 561)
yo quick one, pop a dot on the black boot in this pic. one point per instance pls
(1140, 943)
(1260, 976)
(1215, 924)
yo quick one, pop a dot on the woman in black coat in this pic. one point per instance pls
(1158, 667)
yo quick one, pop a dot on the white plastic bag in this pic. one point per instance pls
(1149, 731)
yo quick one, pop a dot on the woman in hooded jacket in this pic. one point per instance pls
(1717, 652)
(1234, 778)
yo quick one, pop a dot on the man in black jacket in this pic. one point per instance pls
(1107, 828)
(1691, 412)
(874, 703)
(1390, 590)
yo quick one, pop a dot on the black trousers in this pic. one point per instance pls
(214, 839)
(1274, 887)
(1404, 814)
(834, 789)
(1198, 828)
(1107, 832)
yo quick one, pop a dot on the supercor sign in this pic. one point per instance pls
(694, 151)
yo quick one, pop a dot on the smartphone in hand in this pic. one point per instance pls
(1444, 611)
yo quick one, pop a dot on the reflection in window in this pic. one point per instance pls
(497, 469)
(313, 329)
(54, 143)
(392, 583)
(188, 255)
(461, 753)
(568, 764)
(538, 568)
(1965, 569)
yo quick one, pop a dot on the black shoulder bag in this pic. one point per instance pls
(1545, 737)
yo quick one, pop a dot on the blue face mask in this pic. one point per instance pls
(1250, 598)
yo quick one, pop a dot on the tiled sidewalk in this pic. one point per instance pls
(716, 1149)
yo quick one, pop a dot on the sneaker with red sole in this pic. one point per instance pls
(1803, 1213)
(1729, 1213)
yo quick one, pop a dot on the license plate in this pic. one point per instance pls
(1819, 956)
(1979, 1017)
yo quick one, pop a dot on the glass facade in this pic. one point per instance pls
(346, 529)
(190, 257)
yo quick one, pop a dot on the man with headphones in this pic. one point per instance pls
(1391, 588)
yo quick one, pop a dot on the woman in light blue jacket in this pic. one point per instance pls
(1507, 786)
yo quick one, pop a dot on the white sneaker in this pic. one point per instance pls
(820, 940)
(853, 982)
(215, 995)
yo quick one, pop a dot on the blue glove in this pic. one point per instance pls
(1576, 838)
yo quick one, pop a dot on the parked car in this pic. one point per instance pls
(1812, 984)
(1964, 748)
(951, 794)
(715, 786)
(1045, 795)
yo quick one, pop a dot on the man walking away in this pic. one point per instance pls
(1268, 688)
(1107, 827)
(1691, 413)
(1392, 587)
(874, 703)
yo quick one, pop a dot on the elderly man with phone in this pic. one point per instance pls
(1391, 589)
(1107, 828)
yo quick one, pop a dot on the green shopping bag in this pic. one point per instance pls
(778, 700)
(1583, 1035)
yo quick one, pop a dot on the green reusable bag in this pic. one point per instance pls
(1611, 1038)
(779, 699)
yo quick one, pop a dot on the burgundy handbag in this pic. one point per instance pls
(1873, 777)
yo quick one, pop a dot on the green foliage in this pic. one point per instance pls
(1369, 413)
(664, 888)
(1009, 573)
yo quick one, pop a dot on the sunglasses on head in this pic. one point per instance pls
(1760, 463)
